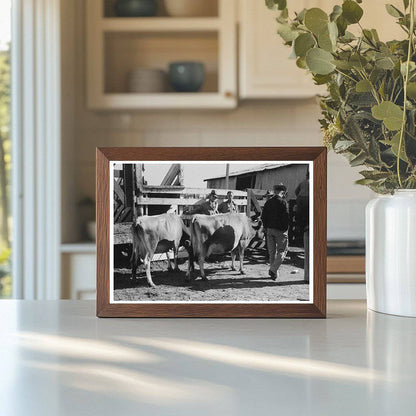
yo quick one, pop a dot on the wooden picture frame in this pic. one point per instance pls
(315, 308)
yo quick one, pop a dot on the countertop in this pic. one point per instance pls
(57, 358)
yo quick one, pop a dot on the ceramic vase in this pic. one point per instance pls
(391, 253)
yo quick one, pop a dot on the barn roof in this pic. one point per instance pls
(261, 168)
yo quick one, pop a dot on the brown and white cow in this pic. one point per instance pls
(158, 234)
(222, 233)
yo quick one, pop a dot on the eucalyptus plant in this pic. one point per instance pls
(369, 112)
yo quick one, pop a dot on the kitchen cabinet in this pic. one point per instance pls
(116, 46)
(78, 263)
(265, 70)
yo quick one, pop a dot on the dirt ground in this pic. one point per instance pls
(223, 285)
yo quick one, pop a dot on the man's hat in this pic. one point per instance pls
(213, 193)
(280, 187)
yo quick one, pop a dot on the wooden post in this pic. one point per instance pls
(227, 176)
(248, 208)
(138, 178)
(171, 175)
(134, 168)
(128, 186)
(180, 175)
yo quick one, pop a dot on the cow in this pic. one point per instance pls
(222, 233)
(158, 234)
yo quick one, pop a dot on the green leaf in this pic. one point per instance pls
(374, 150)
(354, 131)
(361, 99)
(375, 175)
(286, 32)
(301, 63)
(321, 79)
(394, 145)
(343, 65)
(324, 42)
(319, 61)
(391, 114)
(358, 61)
(363, 86)
(368, 36)
(336, 12)
(364, 181)
(316, 20)
(351, 11)
(333, 32)
(385, 63)
(342, 25)
(303, 43)
(276, 4)
(411, 90)
(358, 160)
(393, 11)
(406, 4)
(348, 37)
(375, 35)
(343, 145)
(300, 17)
(412, 67)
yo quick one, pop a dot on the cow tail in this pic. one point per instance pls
(195, 236)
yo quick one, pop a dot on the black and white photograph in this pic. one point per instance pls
(211, 232)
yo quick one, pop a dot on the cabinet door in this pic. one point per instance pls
(265, 68)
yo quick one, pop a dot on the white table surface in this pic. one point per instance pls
(57, 358)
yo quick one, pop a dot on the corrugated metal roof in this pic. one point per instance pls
(261, 168)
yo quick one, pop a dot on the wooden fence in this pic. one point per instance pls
(154, 200)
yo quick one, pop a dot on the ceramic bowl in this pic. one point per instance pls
(135, 8)
(186, 76)
(147, 80)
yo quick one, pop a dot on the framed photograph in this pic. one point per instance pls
(211, 232)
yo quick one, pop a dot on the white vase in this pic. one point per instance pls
(391, 253)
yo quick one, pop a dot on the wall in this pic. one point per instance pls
(264, 123)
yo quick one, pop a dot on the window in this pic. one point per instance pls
(5, 144)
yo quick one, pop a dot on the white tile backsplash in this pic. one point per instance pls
(286, 123)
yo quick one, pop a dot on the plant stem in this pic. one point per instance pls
(373, 90)
(345, 75)
(406, 80)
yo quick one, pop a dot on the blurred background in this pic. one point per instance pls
(100, 73)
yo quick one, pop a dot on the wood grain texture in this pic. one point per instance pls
(212, 310)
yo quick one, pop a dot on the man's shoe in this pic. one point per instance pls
(272, 275)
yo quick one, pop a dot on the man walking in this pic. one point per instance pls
(275, 217)
(228, 205)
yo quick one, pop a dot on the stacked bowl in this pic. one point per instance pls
(147, 80)
(191, 8)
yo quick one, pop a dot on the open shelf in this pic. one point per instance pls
(127, 51)
(130, 101)
(160, 24)
(116, 46)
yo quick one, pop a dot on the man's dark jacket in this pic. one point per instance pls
(276, 214)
